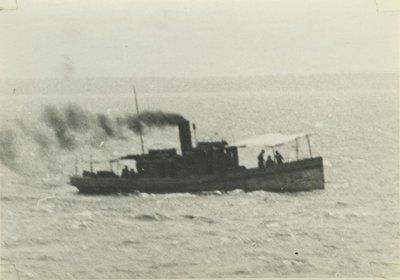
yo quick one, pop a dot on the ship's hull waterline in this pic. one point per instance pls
(303, 175)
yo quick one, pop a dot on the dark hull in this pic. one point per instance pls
(301, 175)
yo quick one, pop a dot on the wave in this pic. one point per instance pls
(152, 217)
(199, 218)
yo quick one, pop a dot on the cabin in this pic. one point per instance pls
(207, 158)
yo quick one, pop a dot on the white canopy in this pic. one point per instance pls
(269, 140)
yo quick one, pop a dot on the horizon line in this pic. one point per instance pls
(205, 76)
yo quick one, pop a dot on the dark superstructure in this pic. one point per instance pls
(205, 159)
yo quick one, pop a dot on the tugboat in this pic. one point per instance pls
(209, 166)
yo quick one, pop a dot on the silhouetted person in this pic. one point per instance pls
(125, 172)
(269, 162)
(260, 159)
(278, 157)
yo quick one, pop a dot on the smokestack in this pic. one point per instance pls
(185, 136)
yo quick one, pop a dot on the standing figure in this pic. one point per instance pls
(269, 162)
(260, 159)
(278, 157)
(125, 172)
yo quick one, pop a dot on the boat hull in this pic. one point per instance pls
(304, 175)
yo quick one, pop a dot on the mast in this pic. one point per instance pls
(137, 111)
(309, 145)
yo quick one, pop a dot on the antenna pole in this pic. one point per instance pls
(309, 145)
(137, 111)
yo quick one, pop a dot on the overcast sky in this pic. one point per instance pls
(196, 38)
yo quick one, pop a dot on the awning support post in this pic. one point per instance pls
(137, 112)
(91, 163)
(309, 145)
(273, 153)
(297, 148)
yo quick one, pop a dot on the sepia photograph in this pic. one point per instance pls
(199, 139)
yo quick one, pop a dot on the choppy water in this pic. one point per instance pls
(50, 231)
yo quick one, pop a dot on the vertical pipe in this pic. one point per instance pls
(137, 111)
(297, 148)
(194, 134)
(309, 145)
(185, 136)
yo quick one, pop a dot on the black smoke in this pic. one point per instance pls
(58, 122)
(73, 118)
(8, 147)
(71, 127)
(136, 123)
(107, 125)
(77, 118)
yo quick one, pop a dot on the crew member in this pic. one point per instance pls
(278, 157)
(125, 172)
(261, 159)
(269, 162)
